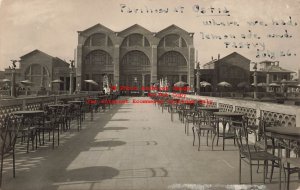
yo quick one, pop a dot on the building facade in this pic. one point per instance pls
(233, 68)
(275, 77)
(40, 69)
(134, 56)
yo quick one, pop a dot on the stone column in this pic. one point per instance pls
(180, 77)
(71, 82)
(268, 82)
(116, 62)
(13, 83)
(154, 64)
(191, 66)
(255, 84)
(198, 82)
(79, 68)
(143, 84)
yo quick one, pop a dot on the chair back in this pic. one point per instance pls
(9, 133)
(241, 133)
(206, 118)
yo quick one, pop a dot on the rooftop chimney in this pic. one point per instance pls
(218, 56)
(212, 58)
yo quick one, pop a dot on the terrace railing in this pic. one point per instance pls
(288, 115)
(8, 106)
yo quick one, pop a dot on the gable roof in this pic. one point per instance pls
(233, 54)
(36, 51)
(224, 58)
(95, 27)
(134, 27)
(171, 27)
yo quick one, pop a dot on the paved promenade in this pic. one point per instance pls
(130, 146)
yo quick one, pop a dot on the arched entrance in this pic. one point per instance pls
(38, 75)
(97, 64)
(173, 66)
(134, 73)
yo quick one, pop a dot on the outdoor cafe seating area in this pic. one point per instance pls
(35, 128)
(266, 146)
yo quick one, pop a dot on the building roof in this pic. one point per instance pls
(234, 54)
(275, 69)
(224, 58)
(35, 52)
(211, 62)
(134, 27)
(95, 27)
(172, 27)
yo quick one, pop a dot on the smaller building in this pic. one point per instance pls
(271, 72)
(233, 68)
(274, 76)
(40, 68)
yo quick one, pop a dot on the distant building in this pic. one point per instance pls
(233, 68)
(272, 75)
(41, 68)
(271, 72)
(134, 56)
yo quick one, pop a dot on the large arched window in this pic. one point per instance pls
(135, 40)
(98, 57)
(37, 74)
(98, 39)
(172, 40)
(135, 58)
(172, 58)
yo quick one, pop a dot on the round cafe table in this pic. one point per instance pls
(29, 113)
(76, 102)
(226, 118)
(288, 133)
(208, 109)
(59, 105)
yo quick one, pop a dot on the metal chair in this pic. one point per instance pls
(205, 122)
(51, 123)
(29, 131)
(290, 165)
(8, 137)
(246, 153)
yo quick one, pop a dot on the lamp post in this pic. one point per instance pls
(198, 78)
(71, 76)
(255, 80)
(13, 78)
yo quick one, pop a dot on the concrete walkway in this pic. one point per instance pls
(130, 146)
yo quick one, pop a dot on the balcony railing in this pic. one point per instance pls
(8, 106)
(288, 115)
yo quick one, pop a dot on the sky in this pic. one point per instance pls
(51, 25)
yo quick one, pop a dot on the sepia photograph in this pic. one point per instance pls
(149, 94)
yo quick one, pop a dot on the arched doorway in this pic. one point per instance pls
(97, 64)
(173, 66)
(134, 72)
(38, 75)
